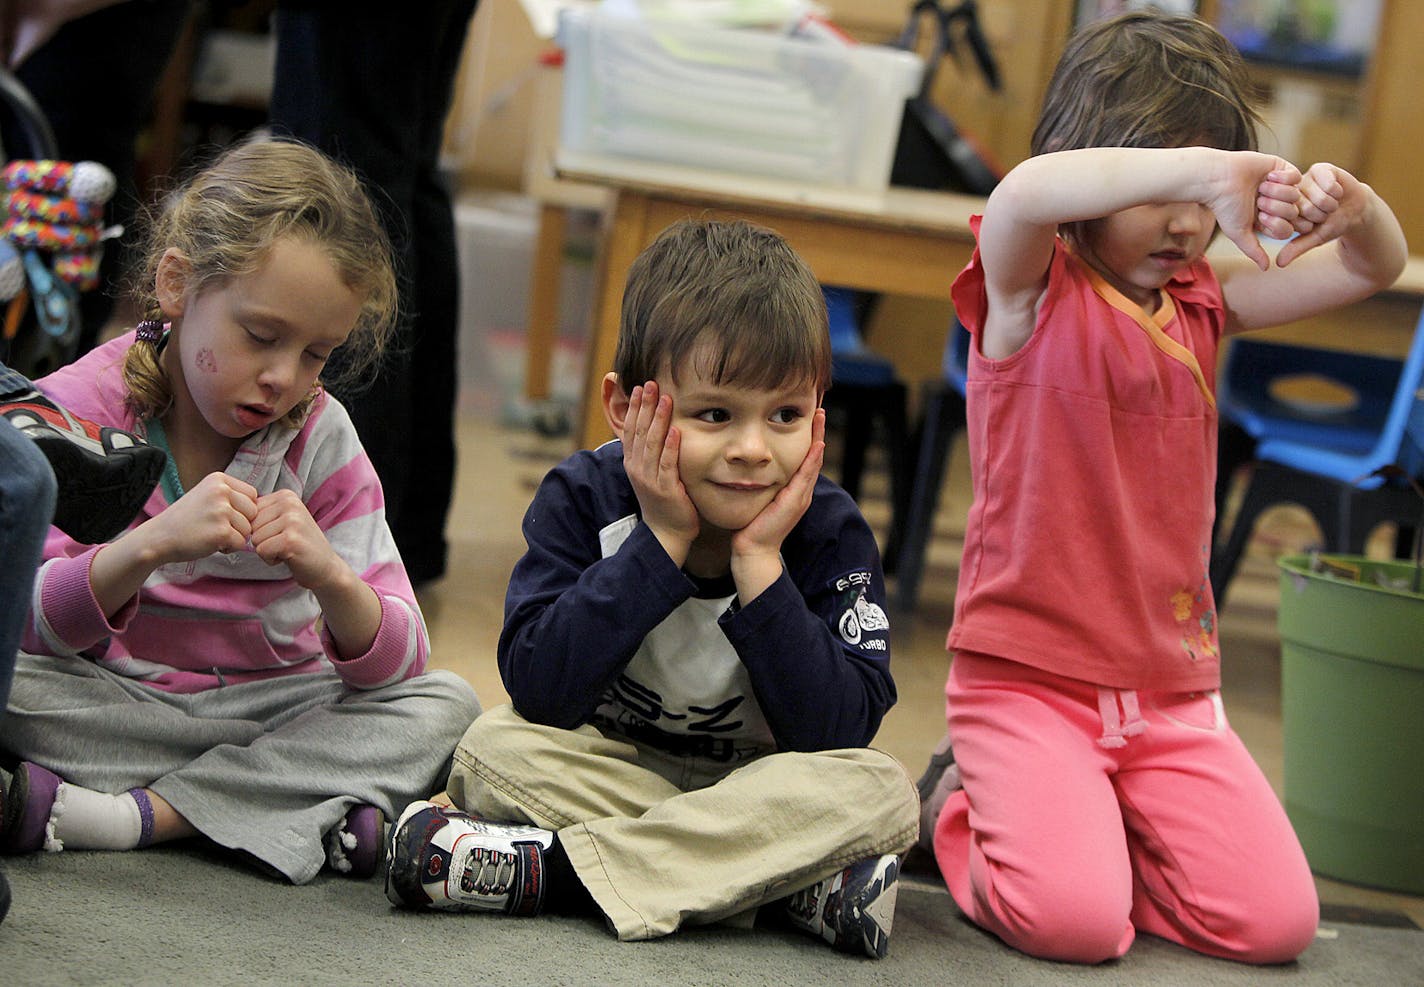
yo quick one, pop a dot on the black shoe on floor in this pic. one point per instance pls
(104, 475)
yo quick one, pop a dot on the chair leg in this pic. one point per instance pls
(1404, 536)
(902, 471)
(1225, 559)
(1352, 528)
(1234, 449)
(856, 433)
(864, 409)
(943, 418)
(1345, 514)
(1366, 510)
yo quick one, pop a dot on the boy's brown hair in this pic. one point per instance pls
(737, 286)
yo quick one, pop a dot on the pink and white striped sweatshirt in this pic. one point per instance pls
(231, 618)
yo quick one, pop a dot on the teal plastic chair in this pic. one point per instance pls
(1349, 466)
(1253, 408)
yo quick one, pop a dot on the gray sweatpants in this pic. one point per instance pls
(265, 767)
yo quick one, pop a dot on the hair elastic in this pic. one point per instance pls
(150, 331)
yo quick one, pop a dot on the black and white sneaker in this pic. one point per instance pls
(103, 474)
(438, 857)
(852, 909)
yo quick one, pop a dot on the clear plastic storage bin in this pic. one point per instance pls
(743, 101)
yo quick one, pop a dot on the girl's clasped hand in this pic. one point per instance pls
(1308, 209)
(224, 514)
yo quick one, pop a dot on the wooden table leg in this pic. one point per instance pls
(543, 320)
(623, 240)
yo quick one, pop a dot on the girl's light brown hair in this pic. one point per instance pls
(740, 288)
(226, 217)
(1148, 79)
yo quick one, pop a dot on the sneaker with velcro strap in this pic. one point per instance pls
(438, 857)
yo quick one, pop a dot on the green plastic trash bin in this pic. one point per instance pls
(1352, 715)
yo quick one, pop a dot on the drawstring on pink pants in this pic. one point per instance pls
(1117, 727)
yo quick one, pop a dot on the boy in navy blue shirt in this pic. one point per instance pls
(695, 643)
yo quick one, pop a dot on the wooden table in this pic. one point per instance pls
(902, 242)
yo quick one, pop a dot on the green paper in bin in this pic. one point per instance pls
(1352, 715)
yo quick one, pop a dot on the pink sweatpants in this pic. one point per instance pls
(1090, 813)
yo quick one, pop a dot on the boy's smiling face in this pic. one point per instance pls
(740, 446)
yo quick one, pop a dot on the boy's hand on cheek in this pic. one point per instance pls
(756, 549)
(650, 458)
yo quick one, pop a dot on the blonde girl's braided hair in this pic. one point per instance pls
(225, 218)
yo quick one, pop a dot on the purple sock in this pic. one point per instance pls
(145, 814)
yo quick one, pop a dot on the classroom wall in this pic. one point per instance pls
(1394, 123)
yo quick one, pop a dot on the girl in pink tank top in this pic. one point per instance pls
(1097, 789)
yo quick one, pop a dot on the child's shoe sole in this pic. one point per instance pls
(104, 475)
(29, 803)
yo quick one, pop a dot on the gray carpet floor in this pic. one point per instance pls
(186, 915)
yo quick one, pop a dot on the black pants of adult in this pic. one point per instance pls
(372, 88)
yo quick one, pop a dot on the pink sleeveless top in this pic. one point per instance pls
(1093, 453)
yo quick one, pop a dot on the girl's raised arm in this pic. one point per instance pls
(1353, 248)
(1245, 190)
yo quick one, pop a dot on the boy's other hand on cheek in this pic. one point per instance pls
(756, 549)
(650, 458)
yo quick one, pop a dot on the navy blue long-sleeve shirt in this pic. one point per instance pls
(601, 626)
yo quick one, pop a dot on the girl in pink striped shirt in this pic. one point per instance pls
(247, 660)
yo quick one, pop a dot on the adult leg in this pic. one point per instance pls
(27, 494)
(26, 506)
(96, 80)
(375, 92)
(435, 294)
(655, 857)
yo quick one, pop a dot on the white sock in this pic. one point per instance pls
(339, 843)
(84, 819)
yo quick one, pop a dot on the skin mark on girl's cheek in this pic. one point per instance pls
(206, 362)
